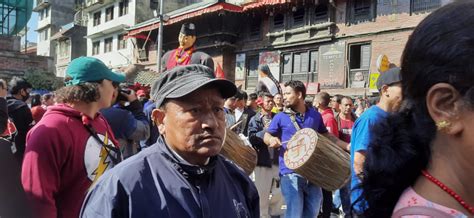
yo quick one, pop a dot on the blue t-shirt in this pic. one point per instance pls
(361, 137)
(282, 127)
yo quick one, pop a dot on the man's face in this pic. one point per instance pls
(268, 103)
(230, 103)
(346, 106)
(278, 99)
(194, 125)
(394, 96)
(49, 102)
(291, 97)
(108, 94)
(239, 103)
(25, 94)
(252, 104)
(186, 41)
(334, 104)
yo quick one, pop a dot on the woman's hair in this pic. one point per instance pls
(440, 50)
(86, 92)
(35, 100)
(47, 96)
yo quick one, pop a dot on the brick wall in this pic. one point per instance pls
(15, 63)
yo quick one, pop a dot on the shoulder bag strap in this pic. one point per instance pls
(420, 211)
(107, 148)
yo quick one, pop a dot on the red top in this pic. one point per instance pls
(330, 122)
(37, 112)
(62, 160)
(345, 131)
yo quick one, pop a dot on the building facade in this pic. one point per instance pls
(70, 43)
(15, 63)
(106, 24)
(329, 45)
(52, 14)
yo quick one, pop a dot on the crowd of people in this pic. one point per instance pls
(97, 148)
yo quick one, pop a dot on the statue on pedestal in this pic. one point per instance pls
(186, 52)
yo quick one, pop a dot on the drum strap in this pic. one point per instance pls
(292, 115)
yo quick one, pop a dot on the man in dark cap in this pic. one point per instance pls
(19, 112)
(182, 174)
(185, 54)
(390, 88)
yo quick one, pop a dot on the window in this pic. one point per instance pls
(278, 22)
(95, 48)
(298, 17)
(123, 8)
(361, 11)
(121, 42)
(97, 18)
(301, 66)
(255, 28)
(43, 35)
(252, 72)
(44, 13)
(359, 64)
(108, 45)
(109, 14)
(321, 13)
(420, 6)
(64, 47)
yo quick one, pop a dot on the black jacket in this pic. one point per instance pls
(20, 113)
(154, 183)
(256, 131)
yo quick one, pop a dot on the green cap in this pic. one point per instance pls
(89, 69)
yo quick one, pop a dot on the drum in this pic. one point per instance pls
(242, 155)
(318, 159)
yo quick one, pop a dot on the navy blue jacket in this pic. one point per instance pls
(256, 130)
(154, 134)
(154, 183)
(129, 124)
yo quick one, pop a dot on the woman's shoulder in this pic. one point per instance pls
(411, 199)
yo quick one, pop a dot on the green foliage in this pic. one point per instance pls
(43, 80)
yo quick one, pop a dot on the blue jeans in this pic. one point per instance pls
(302, 198)
(342, 196)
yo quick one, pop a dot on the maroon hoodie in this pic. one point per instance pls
(62, 160)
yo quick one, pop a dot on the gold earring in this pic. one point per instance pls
(442, 125)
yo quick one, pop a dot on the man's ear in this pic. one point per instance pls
(384, 91)
(158, 117)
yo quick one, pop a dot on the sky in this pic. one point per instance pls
(32, 25)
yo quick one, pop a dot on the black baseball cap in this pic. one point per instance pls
(389, 77)
(182, 80)
(188, 29)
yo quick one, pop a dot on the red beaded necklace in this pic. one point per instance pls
(449, 191)
(187, 54)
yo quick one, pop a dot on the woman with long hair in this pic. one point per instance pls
(422, 161)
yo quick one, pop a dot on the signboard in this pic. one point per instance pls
(373, 81)
(240, 66)
(272, 59)
(312, 88)
(331, 66)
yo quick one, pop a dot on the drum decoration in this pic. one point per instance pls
(242, 155)
(318, 159)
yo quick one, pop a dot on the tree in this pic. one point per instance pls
(43, 80)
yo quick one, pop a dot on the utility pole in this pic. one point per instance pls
(160, 38)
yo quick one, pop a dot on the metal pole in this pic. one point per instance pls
(160, 37)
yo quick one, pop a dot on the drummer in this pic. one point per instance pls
(181, 175)
(302, 198)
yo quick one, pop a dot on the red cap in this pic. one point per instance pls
(141, 93)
